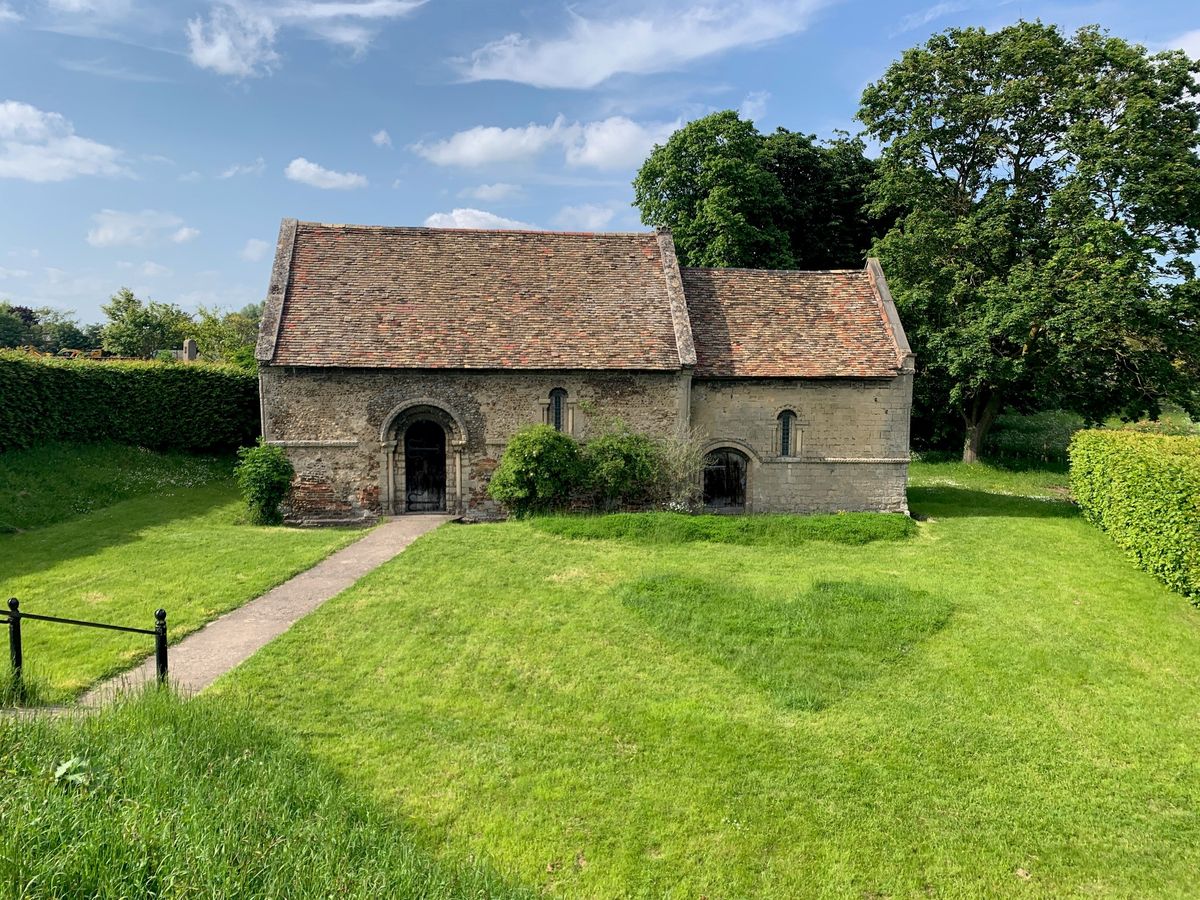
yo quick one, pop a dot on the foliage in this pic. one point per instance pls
(599, 746)
(228, 337)
(539, 471)
(1040, 437)
(757, 531)
(54, 482)
(165, 798)
(1144, 491)
(264, 475)
(44, 329)
(621, 466)
(733, 197)
(681, 464)
(147, 404)
(182, 546)
(141, 329)
(1053, 193)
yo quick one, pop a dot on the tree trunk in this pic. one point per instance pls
(979, 420)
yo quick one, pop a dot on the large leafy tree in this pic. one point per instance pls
(45, 329)
(228, 336)
(735, 197)
(142, 329)
(1052, 189)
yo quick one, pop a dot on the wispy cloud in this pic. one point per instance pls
(754, 106)
(105, 68)
(115, 228)
(381, 138)
(923, 17)
(305, 172)
(254, 250)
(613, 143)
(661, 37)
(586, 216)
(238, 36)
(1188, 42)
(42, 146)
(491, 193)
(8, 14)
(472, 218)
(255, 168)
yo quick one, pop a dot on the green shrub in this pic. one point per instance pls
(264, 475)
(1144, 491)
(162, 406)
(539, 471)
(1033, 437)
(621, 467)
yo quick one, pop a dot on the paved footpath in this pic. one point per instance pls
(203, 656)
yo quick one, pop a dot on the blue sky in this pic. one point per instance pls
(157, 145)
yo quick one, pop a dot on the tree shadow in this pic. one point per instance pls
(34, 551)
(955, 503)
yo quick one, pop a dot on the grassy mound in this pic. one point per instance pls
(777, 531)
(160, 798)
(55, 482)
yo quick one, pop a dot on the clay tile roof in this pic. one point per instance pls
(758, 323)
(345, 295)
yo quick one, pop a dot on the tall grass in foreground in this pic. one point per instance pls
(160, 798)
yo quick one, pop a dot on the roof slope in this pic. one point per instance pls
(358, 296)
(755, 323)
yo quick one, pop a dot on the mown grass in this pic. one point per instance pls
(999, 706)
(185, 548)
(760, 531)
(55, 482)
(160, 798)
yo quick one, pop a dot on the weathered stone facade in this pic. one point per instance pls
(343, 428)
(397, 363)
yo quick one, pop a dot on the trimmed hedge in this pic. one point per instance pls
(176, 406)
(1144, 491)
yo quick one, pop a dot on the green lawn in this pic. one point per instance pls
(184, 548)
(997, 705)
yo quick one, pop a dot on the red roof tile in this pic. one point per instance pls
(758, 323)
(449, 298)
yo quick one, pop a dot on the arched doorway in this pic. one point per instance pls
(725, 481)
(424, 467)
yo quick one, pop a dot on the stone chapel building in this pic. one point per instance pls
(395, 363)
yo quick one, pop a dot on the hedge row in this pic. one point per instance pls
(1144, 490)
(193, 406)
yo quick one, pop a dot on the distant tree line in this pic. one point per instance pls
(136, 328)
(1035, 205)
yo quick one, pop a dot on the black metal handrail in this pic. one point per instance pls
(14, 616)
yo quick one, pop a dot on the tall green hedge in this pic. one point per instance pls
(192, 406)
(1144, 490)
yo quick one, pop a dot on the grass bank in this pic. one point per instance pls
(999, 705)
(160, 798)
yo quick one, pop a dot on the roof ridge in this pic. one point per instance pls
(435, 229)
(747, 270)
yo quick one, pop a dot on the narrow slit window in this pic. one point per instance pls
(558, 409)
(787, 419)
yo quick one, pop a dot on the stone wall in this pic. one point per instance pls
(330, 421)
(849, 442)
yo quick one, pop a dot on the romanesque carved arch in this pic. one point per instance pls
(391, 434)
(732, 444)
(412, 408)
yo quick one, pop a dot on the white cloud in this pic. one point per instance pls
(585, 217)
(490, 193)
(923, 17)
(254, 250)
(472, 218)
(43, 146)
(114, 228)
(1188, 42)
(238, 38)
(305, 172)
(13, 273)
(191, 176)
(153, 270)
(108, 9)
(661, 37)
(255, 168)
(8, 14)
(381, 138)
(754, 106)
(613, 143)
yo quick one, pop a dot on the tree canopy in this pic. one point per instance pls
(44, 329)
(735, 197)
(142, 328)
(1052, 194)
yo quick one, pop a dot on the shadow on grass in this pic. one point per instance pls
(954, 502)
(35, 551)
(805, 650)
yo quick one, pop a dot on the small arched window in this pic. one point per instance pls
(558, 409)
(787, 419)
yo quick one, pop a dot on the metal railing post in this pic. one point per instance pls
(14, 646)
(160, 644)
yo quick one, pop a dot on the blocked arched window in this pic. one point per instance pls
(558, 409)
(787, 422)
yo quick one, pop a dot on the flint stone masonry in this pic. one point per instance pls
(368, 331)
